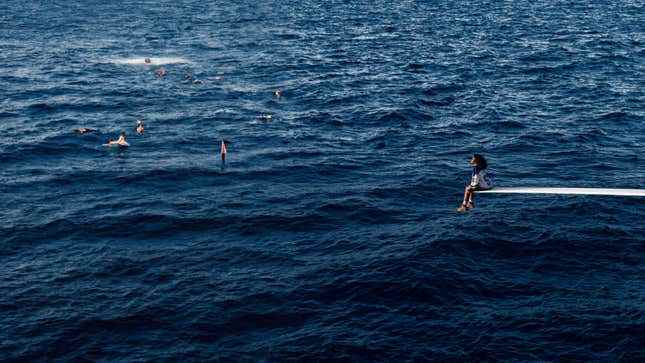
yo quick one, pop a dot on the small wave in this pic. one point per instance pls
(48, 147)
(399, 116)
(77, 106)
(318, 118)
(155, 225)
(446, 101)
(153, 61)
(501, 125)
(358, 211)
(292, 154)
(8, 114)
(443, 88)
(289, 36)
(615, 115)
(415, 68)
(548, 68)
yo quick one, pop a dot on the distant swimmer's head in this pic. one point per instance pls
(139, 129)
(147, 60)
(478, 160)
(278, 93)
(83, 130)
(160, 72)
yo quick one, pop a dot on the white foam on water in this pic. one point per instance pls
(569, 191)
(153, 60)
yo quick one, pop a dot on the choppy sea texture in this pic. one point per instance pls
(330, 235)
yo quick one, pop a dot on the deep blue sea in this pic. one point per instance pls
(331, 232)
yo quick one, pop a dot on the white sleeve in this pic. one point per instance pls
(475, 180)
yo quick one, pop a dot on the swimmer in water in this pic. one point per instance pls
(83, 130)
(139, 127)
(190, 78)
(478, 181)
(120, 141)
(223, 151)
(278, 93)
(147, 60)
(160, 72)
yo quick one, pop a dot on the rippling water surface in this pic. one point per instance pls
(331, 232)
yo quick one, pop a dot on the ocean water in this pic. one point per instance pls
(331, 232)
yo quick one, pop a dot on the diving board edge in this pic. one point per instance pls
(567, 191)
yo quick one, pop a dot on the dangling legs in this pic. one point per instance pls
(470, 204)
(468, 199)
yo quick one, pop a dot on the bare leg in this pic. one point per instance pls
(470, 203)
(469, 194)
(467, 197)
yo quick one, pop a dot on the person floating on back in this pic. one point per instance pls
(478, 181)
(139, 128)
(121, 142)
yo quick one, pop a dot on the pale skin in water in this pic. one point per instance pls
(120, 141)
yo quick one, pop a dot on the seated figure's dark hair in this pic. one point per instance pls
(481, 161)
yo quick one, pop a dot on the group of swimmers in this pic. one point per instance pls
(478, 181)
(140, 127)
(162, 72)
(121, 140)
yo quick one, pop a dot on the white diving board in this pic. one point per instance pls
(569, 191)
